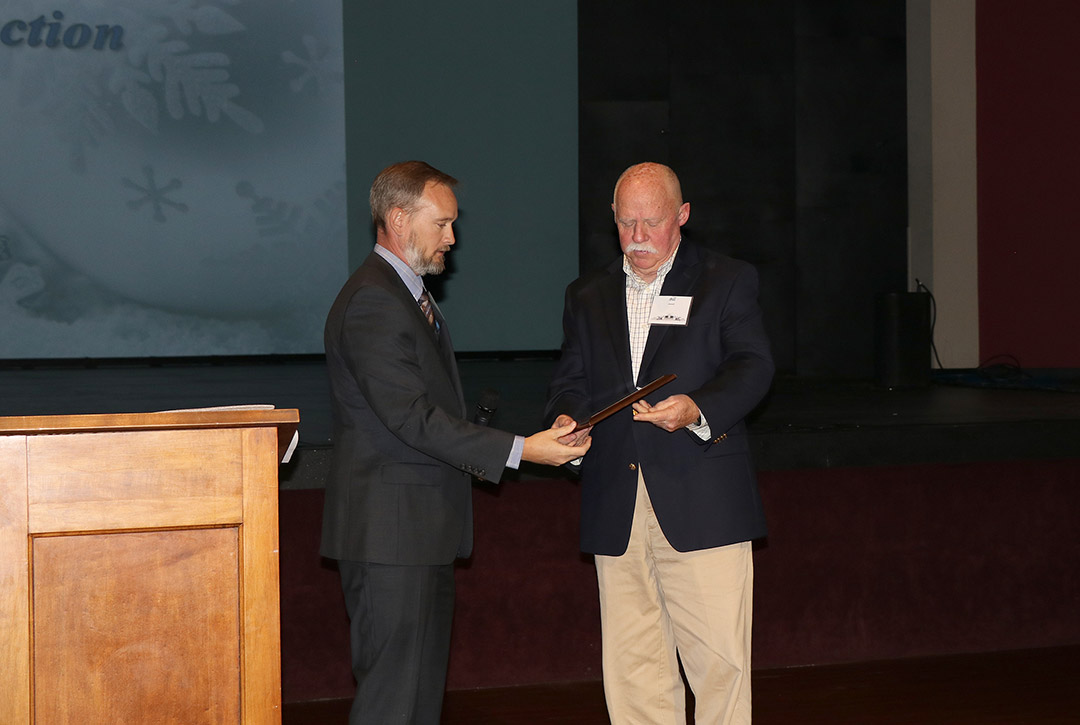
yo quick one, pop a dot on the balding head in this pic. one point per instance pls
(652, 174)
(649, 212)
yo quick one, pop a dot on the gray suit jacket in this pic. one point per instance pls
(399, 490)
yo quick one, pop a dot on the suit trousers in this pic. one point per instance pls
(659, 606)
(399, 626)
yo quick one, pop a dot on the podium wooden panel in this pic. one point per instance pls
(139, 568)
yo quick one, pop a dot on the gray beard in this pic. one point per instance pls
(418, 264)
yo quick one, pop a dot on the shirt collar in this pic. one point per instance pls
(411, 279)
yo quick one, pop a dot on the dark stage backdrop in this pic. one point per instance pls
(786, 122)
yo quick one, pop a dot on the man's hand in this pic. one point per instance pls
(571, 439)
(671, 414)
(546, 447)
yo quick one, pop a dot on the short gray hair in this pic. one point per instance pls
(402, 185)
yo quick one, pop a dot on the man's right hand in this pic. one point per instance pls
(571, 439)
(556, 446)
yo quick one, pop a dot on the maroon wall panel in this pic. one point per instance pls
(526, 599)
(314, 626)
(860, 564)
(527, 607)
(879, 563)
(1028, 72)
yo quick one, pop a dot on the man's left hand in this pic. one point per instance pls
(671, 414)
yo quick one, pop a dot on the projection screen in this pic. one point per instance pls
(173, 174)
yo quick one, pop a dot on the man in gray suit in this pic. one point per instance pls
(399, 500)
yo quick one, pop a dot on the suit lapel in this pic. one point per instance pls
(394, 282)
(613, 304)
(446, 350)
(681, 281)
(441, 343)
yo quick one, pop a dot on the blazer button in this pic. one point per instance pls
(633, 466)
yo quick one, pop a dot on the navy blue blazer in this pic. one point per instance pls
(704, 493)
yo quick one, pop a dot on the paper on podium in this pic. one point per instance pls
(285, 458)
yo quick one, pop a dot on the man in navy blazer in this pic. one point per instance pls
(398, 505)
(670, 501)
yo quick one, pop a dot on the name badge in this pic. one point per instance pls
(670, 310)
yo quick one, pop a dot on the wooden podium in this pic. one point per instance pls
(139, 567)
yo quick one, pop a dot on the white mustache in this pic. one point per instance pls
(635, 247)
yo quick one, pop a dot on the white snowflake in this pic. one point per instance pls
(192, 83)
(163, 72)
(322, 65)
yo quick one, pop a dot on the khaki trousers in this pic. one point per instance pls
(659, 606)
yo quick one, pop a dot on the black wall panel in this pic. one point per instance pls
(786, 122)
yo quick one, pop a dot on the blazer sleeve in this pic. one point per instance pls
(745, 372)
(568, 390)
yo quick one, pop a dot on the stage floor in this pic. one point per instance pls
(1023, 687)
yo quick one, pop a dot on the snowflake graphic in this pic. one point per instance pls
(322, 65)
(275, 218)
(155, 195)
(170, 67)
(193, 83)
(19, 283)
